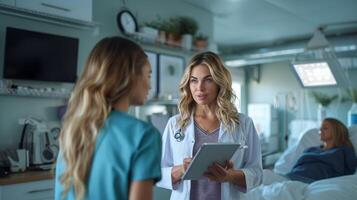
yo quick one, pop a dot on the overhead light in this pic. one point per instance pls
(315, 74)
(318, 40)
(318, 65)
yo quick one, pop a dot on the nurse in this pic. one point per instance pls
(104, 152)
(207, 114)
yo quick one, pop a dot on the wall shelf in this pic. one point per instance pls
(45, 17)
(36, 92)
(152, 43)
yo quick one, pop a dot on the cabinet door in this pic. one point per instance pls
(8, 2)
(76, 9)
(81, 9)
(28, 191)
(35, 5)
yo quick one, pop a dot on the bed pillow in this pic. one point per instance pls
(353, 136)
(288, 159)
(298, 127)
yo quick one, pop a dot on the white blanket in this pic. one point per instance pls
(343, 187)
(339, 188)
(287, 190)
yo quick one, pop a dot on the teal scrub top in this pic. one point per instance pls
(127, 149)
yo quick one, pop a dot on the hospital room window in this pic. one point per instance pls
(237, 90)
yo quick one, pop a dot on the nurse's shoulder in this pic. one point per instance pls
(124, 122)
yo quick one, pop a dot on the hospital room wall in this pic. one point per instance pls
(104, 13)
(238, 76)
(278, 81)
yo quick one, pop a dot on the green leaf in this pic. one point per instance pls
(323, 99)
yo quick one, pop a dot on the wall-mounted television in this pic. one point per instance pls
(31, 55)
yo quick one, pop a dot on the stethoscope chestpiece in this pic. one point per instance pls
(179, 136)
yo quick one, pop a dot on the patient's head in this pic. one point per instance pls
(334, 133)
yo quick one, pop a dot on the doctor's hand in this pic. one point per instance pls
(219, 173)
(179, 170)
(186, 163)
(226, 173)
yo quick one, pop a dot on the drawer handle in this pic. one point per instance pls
(41, 190)
(56, 7)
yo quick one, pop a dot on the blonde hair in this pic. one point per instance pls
(340, 133)
(226, 112)
(108, 75)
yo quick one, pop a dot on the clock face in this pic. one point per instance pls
(126, 22)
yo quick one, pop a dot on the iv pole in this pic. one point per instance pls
(289, 105)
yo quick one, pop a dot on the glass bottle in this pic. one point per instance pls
(352, 115)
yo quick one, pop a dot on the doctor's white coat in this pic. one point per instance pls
(248, 160)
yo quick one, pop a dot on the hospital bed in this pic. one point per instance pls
(274, 187)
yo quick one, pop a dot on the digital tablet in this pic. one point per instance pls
(207, 155)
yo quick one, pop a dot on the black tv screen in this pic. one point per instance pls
(39, 56)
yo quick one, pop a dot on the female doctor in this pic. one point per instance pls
(207, 114)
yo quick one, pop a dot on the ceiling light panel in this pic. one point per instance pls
(315, 74)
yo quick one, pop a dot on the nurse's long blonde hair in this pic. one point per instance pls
(108, 75)
(226, 112)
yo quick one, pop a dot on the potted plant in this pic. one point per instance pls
(149, 32)
(156, 24)
(160, 25)
(172, 29)
(323, 101)
(188, 28)
(187, 25)
(200, 41)
(351, 95)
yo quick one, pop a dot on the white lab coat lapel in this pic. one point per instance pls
(184, 148)
(190, 130)
(224, 135)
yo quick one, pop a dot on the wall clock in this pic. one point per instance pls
(127, 22)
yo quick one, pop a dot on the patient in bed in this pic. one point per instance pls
(335, 157)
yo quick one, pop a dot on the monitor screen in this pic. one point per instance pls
(39, 56)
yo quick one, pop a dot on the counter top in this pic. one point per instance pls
(24, 177)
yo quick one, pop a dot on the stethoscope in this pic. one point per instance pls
(179, 135)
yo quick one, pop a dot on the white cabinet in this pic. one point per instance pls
(76, 9)
(35, 190)
(265, 119)
(8, 2)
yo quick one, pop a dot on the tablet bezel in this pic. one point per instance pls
(219, 152)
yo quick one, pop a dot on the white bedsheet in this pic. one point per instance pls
(339, 188)
(287, 190)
